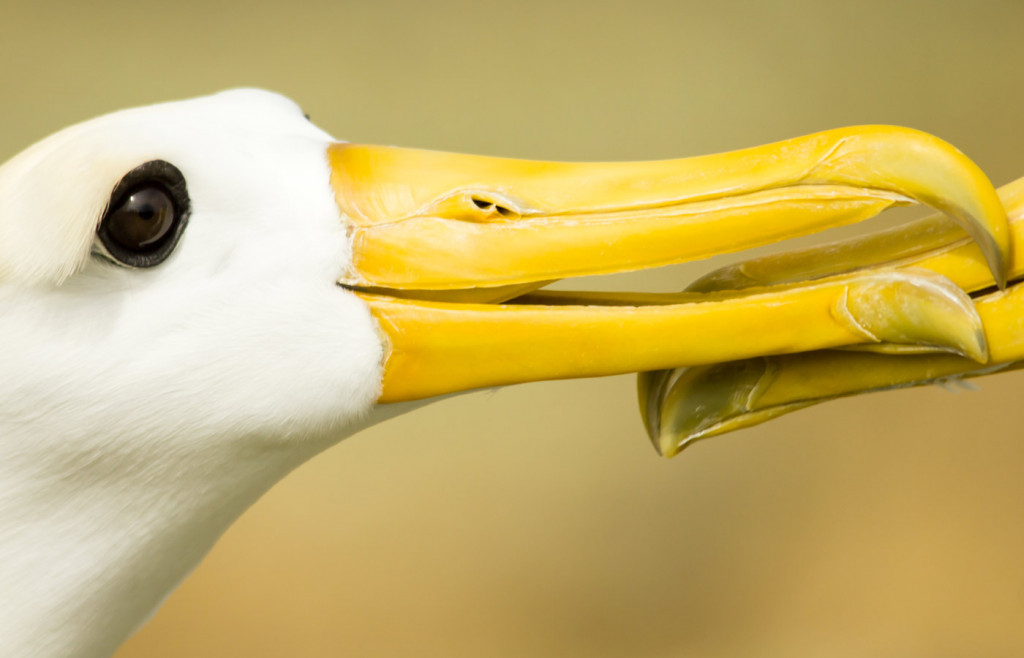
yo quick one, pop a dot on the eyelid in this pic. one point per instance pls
(170, 180)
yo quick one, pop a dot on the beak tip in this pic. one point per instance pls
(977, 350)
(998, 257)
(670, 445)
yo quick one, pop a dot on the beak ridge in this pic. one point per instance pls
(422, 220)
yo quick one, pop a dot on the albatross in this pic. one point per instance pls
(199, 296)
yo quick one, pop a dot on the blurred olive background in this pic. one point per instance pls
(537, 520)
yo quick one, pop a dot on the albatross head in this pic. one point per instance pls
(198, 296)
(137, 395)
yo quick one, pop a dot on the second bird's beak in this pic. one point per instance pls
(448, 251)
(683, 405)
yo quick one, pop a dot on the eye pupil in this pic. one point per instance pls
(142, 220)
(147, 213)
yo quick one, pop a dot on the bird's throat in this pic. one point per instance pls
(88, 551)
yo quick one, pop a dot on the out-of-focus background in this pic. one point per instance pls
(538, 521)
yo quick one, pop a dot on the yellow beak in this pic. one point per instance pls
(447, 248)
(683, 405)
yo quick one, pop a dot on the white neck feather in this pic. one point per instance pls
(142, 411)
(89, 551)
(122, 461)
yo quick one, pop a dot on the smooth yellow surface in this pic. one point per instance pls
(432, 220)
(537, 521)
(704, 402)
(1001, 313)
(435, 348)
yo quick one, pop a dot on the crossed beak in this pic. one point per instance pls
(683, 405)
(450, 252)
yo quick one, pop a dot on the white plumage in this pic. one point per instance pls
(142, 411)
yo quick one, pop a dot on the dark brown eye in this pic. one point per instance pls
(143, 219)
(147, 213)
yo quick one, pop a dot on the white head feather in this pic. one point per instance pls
(142, 410)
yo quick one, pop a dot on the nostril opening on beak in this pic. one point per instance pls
(489, 209)
(476, 206)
